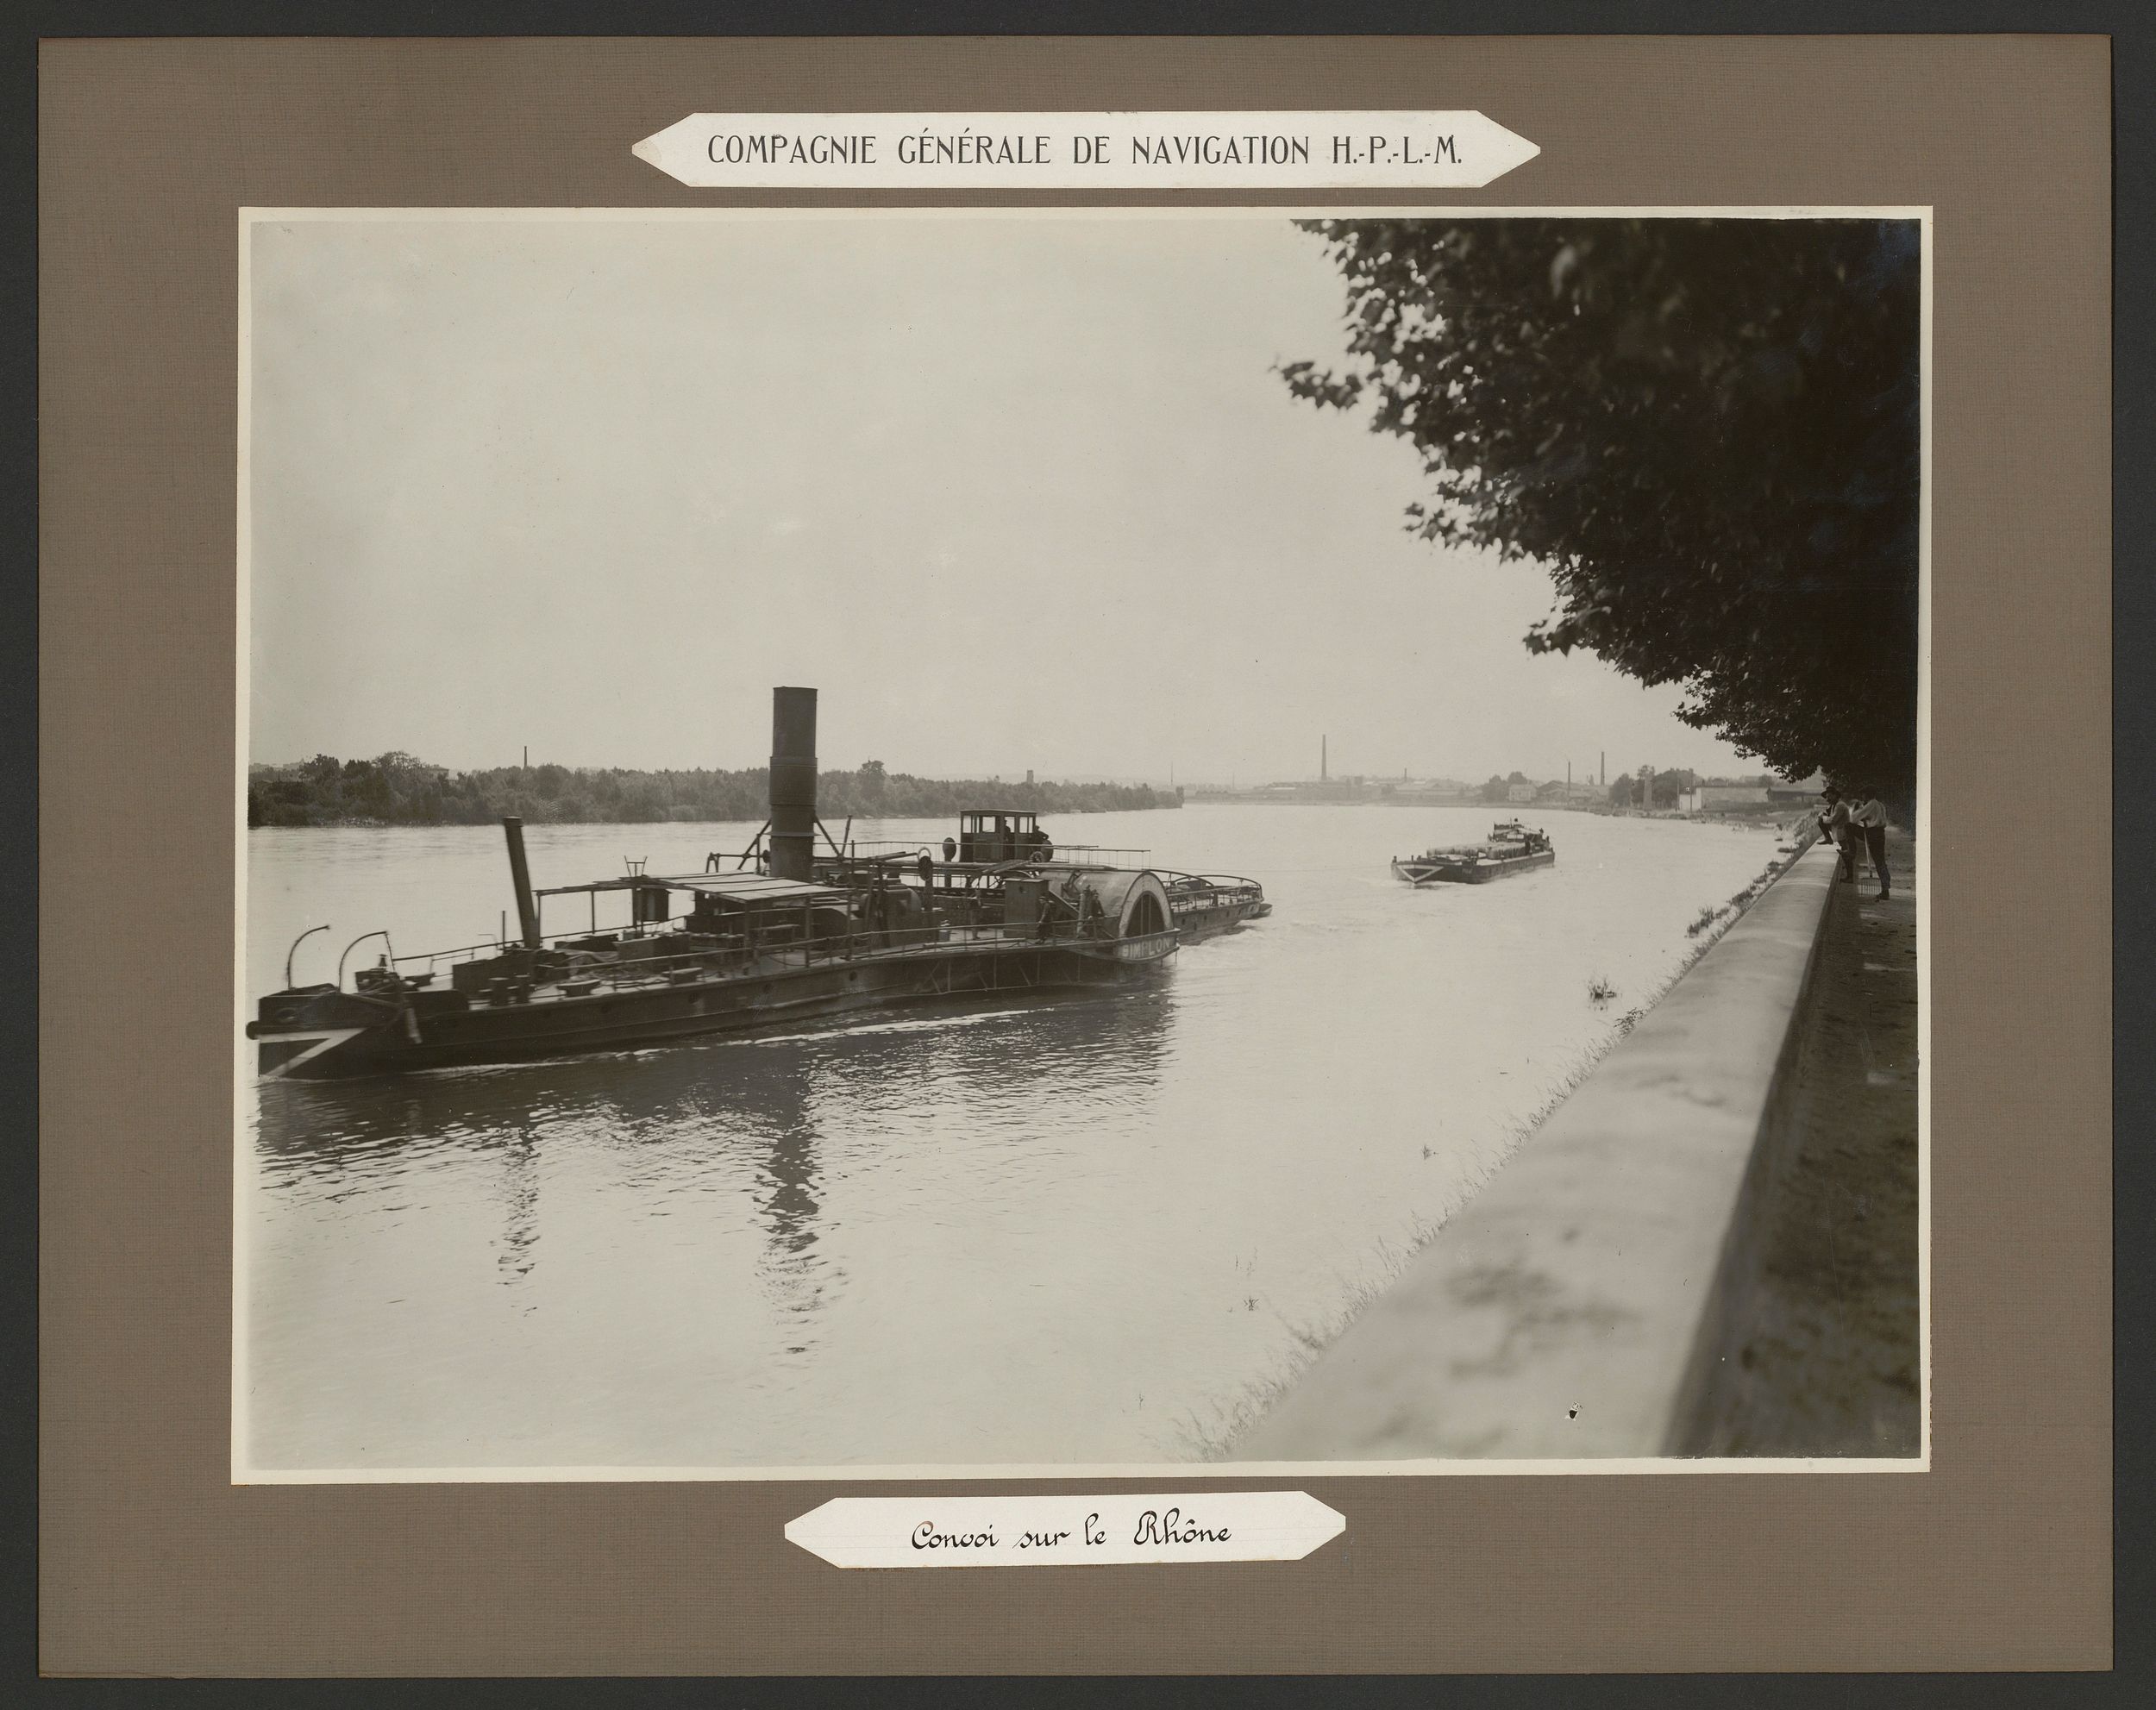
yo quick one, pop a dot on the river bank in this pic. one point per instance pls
(1709, 1248)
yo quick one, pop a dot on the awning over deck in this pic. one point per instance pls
(741, 887)
(752, 887)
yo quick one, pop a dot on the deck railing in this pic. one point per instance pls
(771, 950)
(873, 851)
(1188, 889)
(1223, 884)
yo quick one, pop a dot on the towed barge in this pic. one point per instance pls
(1512, 848)
(788, 936)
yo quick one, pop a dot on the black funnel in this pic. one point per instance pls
(792, 782)
(520, 879)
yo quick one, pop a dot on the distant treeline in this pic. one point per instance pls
(395, 789)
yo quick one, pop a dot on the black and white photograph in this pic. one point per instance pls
(926, 843)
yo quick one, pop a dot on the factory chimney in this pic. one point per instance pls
(793, 783)
(1322, 761)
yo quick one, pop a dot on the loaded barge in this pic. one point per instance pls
(787, 934)
(1512, 848)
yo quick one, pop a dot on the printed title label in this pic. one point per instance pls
(1086, 151)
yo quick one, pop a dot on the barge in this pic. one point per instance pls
(788, 934)
(1512, 848)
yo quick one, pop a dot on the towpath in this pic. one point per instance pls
(1832, 1364)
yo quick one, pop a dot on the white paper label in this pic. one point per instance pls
(1016, 1531)
(1086, 151)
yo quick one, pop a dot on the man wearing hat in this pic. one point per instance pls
(1867, 823)
(1835, 825)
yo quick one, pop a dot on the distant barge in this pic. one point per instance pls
(1512, 848)
(788, 934)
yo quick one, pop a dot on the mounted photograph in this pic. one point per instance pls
(970, 841)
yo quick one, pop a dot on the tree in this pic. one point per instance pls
(1708, 430)
(1669, 785)
(873, 787)
(1496, 789)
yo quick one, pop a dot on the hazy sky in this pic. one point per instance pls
(1010, 492)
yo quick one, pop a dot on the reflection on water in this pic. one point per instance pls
(1083, 1229)
(520, 1197)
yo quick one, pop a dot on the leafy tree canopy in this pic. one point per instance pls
(1708, 430)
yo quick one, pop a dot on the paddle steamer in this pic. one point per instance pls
(787, 933)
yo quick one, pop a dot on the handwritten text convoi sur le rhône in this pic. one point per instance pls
(981, 1531)
(1153, 1528)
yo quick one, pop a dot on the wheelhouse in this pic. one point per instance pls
(989, 834)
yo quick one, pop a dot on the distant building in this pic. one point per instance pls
(1721, 798)
(1522, 793)
(1424, 790)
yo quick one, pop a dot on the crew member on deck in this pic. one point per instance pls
(879, 912)
(1074, 897)
(1094, 917)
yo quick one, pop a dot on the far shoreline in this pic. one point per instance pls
(397, 790)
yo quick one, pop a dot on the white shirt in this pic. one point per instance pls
(1872, 813)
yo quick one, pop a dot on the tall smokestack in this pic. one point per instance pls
(1322, 760)
(1605, 764)
(520, 878)
(792, 782)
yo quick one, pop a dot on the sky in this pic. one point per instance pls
(1012, 493)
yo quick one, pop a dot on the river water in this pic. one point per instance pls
(1093, 1231)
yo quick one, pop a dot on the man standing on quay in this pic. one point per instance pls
(1837, 828)
(1868, 820)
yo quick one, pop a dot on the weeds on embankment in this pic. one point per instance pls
(1718, 917)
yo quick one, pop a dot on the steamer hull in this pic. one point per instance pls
(359, 1035)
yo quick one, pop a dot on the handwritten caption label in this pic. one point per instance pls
(1016, 1532)
(1086, 151)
